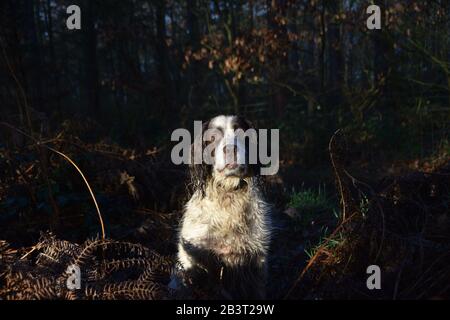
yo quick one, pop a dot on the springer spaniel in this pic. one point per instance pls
(225, 231)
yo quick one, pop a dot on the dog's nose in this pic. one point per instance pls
(230, 151)
(232, 165)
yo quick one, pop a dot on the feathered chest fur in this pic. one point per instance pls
(228, 222)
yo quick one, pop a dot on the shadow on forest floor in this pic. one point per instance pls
(321, 250)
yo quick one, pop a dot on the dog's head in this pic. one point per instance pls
(228, 147)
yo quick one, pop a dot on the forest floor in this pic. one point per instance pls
(324, 237)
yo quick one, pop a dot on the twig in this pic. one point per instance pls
(338, 178)
(316, 255)
(88, 186)
(29, 252)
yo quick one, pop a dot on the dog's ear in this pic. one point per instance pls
(199, 172)
(244, 124)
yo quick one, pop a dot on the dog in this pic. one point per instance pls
(225, 230)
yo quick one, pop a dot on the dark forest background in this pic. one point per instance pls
(109, 95)
(141, 68)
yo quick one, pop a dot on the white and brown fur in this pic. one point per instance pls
(225, 230)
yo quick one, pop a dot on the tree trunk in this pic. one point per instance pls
(33, 62)
(277, 9)
(164, 72)
(381, 67)
(90, 56)
(336, 63)
(53, 62)
(193, 79)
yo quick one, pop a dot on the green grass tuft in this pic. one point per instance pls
(309, 204)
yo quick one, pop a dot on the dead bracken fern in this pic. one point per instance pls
(109, 270)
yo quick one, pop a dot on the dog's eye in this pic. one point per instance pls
(210, 140)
